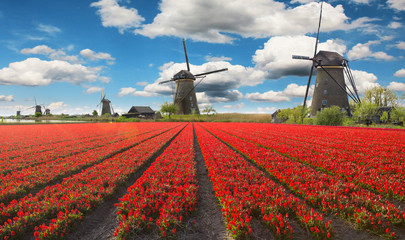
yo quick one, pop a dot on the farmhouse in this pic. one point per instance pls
(140, 112)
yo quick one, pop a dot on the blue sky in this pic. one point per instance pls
(63, 53)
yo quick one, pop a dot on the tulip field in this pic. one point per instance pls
(268, 181)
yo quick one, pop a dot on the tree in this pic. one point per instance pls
(168, 108)
(332, 116)
(382, 97)
(365, 111)
(38, 114)
(94, 113)
(208, 109)
(398, 115)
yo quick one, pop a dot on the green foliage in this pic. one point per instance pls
(94, 113)
(168, 108)
(382, 97)
(398, 115)
(332, 116)
(294, 115)
(308, 121)
(384, 117)
(124, 119)
(365, 111)
(38, 114)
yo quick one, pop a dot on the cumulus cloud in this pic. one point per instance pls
(114, 15)
(266, 109)
(276, 56)
(364, 80)
(36, 72)
(362, 50)
(400, 45)
(56, 106)
(142, 83)
(400, 73)
(235, 106)
(94, 89)
(132, 91)
(397, 4)
(8, 98)
(292, 90)
(51, 53)
(208, 20)
(222, 96)
(90, 54)
(397, 86)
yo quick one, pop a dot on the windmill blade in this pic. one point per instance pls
(206, 73)
(308, 84)
(185, 52)
(171, 80)
(301, 57)
(319, 27)
(112, 109)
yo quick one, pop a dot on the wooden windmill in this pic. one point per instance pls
(38, 107)
(330, 87)
(106, 106)
(184, 96)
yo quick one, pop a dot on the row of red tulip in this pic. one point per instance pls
(328, 193)
(17, 183)
(375, 170)
(245, 192)
(165, 194)
(45, 151)
(76, 194)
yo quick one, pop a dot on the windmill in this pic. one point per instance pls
(106, 106)
(47, 111)
(184, 96)
(330, 88)
(38, 107)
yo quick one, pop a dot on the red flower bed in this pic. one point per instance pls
(244, 192)
(76, 194)
(165, 194)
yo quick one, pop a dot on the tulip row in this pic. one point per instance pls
(381, 174)
(244, 192)
(45, 152)
(165, 194)
(17, 183)
(76, 195)
(328, 193)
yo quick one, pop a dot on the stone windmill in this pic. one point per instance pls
(184, 96)
(330, 87)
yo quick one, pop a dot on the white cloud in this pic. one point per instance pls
(292, 90)
(210, 21)
(397, 86)
(40, 49)
(90, 54)
(132, 91)
(235, 106)
(217, 59)
(362, 50)
(397, 4)
(114, 15)
(56, 106)
(51, 53)
(270, 96)
(364, 80)
(395, 25)
(141, 83)
(400, 73)
(276, 56)
(266, 109)
(8, 98)
(94, 89)
(36, 72)
(48, 29)
(400, 45)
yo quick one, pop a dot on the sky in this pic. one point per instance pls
(64, 54)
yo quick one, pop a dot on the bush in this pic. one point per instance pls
(332, 116)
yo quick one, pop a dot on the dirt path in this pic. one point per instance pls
(209, 223)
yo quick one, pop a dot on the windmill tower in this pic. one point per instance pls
(38, 107)
(184, 96)
(47, 111)
(106, 106)
(330, 87)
